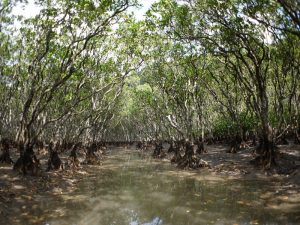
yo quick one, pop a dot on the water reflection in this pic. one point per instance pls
(155, 221)
(129, 190)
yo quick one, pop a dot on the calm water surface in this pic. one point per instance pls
(130, 190)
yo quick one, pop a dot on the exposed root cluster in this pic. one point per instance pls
(93, 155)
(158, 152)
(200, 148)
(27, 162)
(266, 154)
(54, 162)
(235, 145)
(192, 162)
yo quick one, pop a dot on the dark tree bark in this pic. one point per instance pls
(190, 160)
(54, 162)
(200, 146)
(235, 144)
(253, 139)
(27, 162)
(5, 156)
(73, 160)
(171, 148)
(139, 145)
(266, 151)
(297, 136)
(92, 158)
(158, 150)
(177, 156)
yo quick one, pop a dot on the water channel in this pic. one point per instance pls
(132, 190)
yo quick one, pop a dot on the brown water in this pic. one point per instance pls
(130, 190)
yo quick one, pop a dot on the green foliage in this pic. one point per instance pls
(189, 68)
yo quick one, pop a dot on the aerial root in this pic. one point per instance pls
(92, 158)
(193, 162)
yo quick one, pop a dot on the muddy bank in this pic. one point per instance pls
(21, 195)
(241, 165)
